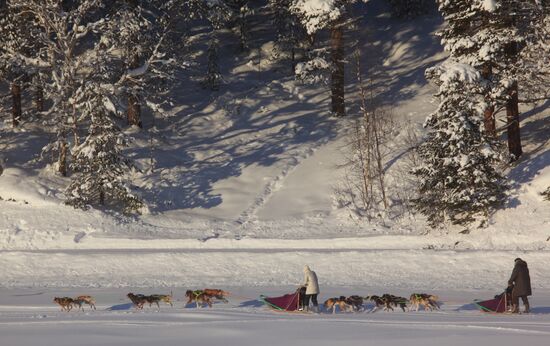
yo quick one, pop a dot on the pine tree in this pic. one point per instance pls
(18, 55)
(315, 16)
(218, 15)
(458, 178)
(490, 36)
(99, 165)
(144, 37)
(241, 14)
(289, 31)
(64, 29)
(470, 38)
(213, 77)
(533, 65)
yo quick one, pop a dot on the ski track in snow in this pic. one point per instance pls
(273, 186)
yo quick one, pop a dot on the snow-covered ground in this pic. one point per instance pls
(28, 318)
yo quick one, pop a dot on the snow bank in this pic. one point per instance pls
(21, 187)
(418, 269)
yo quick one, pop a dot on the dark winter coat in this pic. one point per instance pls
(520, 279)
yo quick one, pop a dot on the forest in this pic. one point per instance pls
(99, 86)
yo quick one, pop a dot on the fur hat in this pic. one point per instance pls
(518, 259)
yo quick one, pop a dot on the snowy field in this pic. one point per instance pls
(28, 317)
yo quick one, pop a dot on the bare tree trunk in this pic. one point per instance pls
(134, 111)
(337, 76)
(512, 106)
(512, 119)
(489, 121)
(363, 164)
(489, 114)
(379, 158)
(133, 114)
(62, 163)
(16, 103)
(75, 128)
(293, 59)
(39, 98)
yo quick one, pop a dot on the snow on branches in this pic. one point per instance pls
(316, 15)
(459, 179)
(94, 55)
(100, 168)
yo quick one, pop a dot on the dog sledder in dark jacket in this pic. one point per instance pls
(521, 283)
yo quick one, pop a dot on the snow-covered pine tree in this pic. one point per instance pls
(410, 8)
(459, 180)
(489, 35)
(289, 31)
(533, 65)
(18, 55)
(213, 78)
(98, 163)
(546, 194)
(143, 37)
(134, 42)
(316, 15)
(218, 15)
(64, 31)
(241, 16)
(471, 38)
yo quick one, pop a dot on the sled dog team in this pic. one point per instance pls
(67, 303)
(387, 302)
(519, 284)
(199, 297)
(206, 296)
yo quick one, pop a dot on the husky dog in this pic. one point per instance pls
(199, 297)
(66, 303)
(84, 300)
(156, 298)
(428, 301)
(217, 293)
(137, 299)
(332, 303)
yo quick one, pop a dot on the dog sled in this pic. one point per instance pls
(499, 304)
(289, 302)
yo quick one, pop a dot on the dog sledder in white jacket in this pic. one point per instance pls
(312, 289)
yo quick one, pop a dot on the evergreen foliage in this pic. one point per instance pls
(213, 78)
(290, 34)
(458, 179)
(100, 166)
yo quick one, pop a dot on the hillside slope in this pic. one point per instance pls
(249, 174)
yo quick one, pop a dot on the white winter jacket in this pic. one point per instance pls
(311, 283)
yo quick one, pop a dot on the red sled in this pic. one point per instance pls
(288, 302)
(499, 304)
